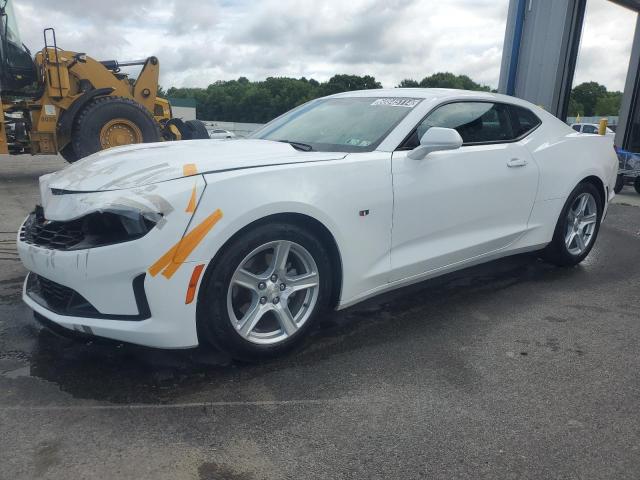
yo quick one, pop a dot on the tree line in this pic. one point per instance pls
(592, 99)
(242, 100)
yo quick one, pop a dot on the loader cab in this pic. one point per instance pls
(17, 69)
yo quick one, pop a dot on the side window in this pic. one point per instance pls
(523, 120)
(589, 129)
(476, 122)
(576, 128)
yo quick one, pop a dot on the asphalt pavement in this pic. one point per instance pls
(515, 369)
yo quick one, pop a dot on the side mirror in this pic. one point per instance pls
(436, 139)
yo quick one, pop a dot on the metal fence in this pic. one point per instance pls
(238, 129)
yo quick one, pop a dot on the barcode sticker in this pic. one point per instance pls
(397, 102)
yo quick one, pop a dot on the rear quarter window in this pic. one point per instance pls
(524, 121)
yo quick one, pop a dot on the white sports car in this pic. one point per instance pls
(241, 244)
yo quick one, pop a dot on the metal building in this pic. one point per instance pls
(539, 58)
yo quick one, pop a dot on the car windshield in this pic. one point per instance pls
(347, 124)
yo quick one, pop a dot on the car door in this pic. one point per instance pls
(455, 205)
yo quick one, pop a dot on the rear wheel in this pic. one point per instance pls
(619, 184)
(110, 122)
(577, 227)
(636, 184)
(263, 294)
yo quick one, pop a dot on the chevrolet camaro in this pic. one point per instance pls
(243, 243)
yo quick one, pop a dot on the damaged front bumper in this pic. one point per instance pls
(108, 290)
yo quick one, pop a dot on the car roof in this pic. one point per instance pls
(435, 94)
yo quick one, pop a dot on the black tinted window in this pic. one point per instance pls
(589, 129)
(523, 120)
(576, 128)
(476, 122)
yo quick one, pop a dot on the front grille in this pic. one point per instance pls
(51, 234)
(58, 298)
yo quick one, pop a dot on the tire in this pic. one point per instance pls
(558, 252)
(636, 184)
(220, 300)
(97, 114)
(68, 153)
(198, 130)
(619, 184)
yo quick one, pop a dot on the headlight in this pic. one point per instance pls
(99, 228)
(111, 226)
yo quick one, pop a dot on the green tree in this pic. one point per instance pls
(575, 108)
(587, 95)
(609, 105)
(450, 80)
(346, 83)
(408, 83)
(242, 100)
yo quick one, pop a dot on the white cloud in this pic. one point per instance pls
(201, 41)
(605, 44)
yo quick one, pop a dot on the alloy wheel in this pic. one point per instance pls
(273, 292)
(581, 223)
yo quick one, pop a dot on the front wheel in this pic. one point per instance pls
(636, 184)
(577, 227)
(619, 184)
(264, 292)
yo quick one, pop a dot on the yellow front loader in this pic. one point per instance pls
(68, 103)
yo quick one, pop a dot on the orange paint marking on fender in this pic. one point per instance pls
(171, 261)
(163, 261)
(189, 169)
(193, 283)
(191, 206)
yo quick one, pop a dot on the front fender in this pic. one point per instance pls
(332, 193)
(240, 206)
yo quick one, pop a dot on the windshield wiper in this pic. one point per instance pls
(298, 145)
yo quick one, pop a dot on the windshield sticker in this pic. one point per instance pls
(397, 102)
(357, 142)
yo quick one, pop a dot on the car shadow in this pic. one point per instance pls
(122, 373)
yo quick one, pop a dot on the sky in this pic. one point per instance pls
(201, 41)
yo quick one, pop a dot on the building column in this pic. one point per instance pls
(540, 51)
(628, 131)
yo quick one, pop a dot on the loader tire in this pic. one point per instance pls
(198, 129)
(68, 153)
(112, 121)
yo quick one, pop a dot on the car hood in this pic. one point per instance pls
(134, 166)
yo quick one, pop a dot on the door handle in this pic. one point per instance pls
(516, 162)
